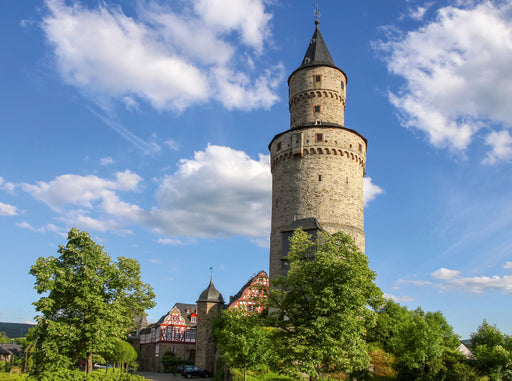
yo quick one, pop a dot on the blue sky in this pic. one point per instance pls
(146, 123)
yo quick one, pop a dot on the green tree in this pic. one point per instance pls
(89, 302)
(422, 344)
(492, 351)
(242, 340)
(321, 308)
(122, 354)
(390, 317)
(4, 338)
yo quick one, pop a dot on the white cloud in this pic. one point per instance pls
(171, 60)
(457, 75)
(413, 282)
(370, 190)
(507, 265)
(42, 229)
(8, 210)
(172, 144)
(106, 161)
(479, 284)
(81, 190)
(501, 144)
(445, 274)
(155, 261)
(399, 299)
(7, 186)
(170, 241)
(419, 12)
(221, 192)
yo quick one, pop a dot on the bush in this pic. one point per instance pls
(77, 375)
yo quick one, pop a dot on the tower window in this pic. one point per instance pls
(360, 147)
(316, 108)
(319, 177)
(342, 85)
(317, 78)
(279, 146)
(319, 137)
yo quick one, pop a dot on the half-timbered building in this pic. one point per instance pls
(177, 331)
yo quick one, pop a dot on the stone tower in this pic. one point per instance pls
(209, 305)
(318, 164)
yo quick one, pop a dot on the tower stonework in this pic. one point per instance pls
(209, 306)
(318, 164)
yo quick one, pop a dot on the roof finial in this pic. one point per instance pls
(211, 273)
(317, 15)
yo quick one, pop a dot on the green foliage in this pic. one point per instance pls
(89, 302)
(321, 308)
(76, 375)
(493, 352)
(4, 338)
(122, 352)
(242, 340)
(422, 345)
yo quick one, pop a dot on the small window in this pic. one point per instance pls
(317, 78)
(319, 137)
(316, 108)
(193, 319)
(342, 85)
(360, 147)
(319, 177)
(279, 146)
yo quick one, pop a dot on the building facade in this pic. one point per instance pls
(186, 329)
(318, 164)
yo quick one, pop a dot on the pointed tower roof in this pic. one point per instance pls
(317, 53)
(211, 294)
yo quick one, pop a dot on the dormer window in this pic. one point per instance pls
(193, 319)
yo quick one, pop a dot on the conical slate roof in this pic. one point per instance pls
(211, 294)
(317, 53)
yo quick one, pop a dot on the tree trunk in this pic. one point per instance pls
(88, 368)
(245, 374)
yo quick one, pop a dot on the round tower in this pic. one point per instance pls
(318, 164)
(209, 305)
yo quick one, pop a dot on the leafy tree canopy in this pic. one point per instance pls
(89, 301)
(322, 307)
(242, 340)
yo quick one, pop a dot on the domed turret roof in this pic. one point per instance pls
(211, 294)
(317, 53)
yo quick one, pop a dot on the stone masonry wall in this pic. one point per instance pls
(205, 348)
(329, 93)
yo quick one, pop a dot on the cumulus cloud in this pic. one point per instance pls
(501, 146)
(444, 273)
(170, 59)
(370, 190)
(80, 190)
(452, 280)
(8, 210)
(220, 192)
(457, 76)
(42, 229)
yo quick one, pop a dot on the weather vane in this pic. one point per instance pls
(211, 272)
(317, 13)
